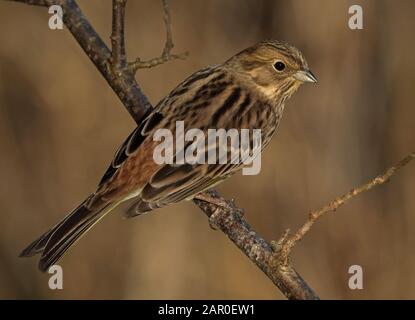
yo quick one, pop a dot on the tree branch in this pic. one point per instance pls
(166, 55)
(119, 58)
(228, 219)
(42, 3)
(122, 82)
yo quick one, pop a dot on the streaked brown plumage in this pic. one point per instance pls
(248, 91)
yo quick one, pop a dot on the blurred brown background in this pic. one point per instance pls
(60, 124)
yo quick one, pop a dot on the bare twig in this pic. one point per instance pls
(169, 35)
(166, 55)
(125, 86)
(118, 55)
(287, 241)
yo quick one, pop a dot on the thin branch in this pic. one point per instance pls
(287, 241)
(226, 217)
(229, 221)
(166, 54)
(119, 58)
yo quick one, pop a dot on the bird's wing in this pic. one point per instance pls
(176, 182)
(151, 121)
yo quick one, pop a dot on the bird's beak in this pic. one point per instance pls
(305, 76)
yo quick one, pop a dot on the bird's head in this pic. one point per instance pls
(277, 69)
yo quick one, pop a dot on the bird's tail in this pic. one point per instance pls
(54, 243)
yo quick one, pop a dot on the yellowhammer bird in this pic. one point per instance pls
(248, 91)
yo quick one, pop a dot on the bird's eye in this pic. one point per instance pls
(279, 66)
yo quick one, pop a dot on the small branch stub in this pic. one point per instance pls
(167, 54)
